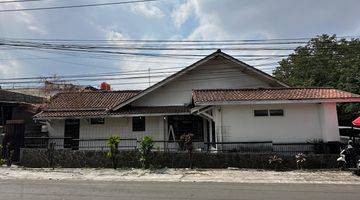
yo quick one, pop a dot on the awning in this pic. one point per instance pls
(356, 122)
(124, 112)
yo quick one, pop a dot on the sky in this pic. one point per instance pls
(163, 19)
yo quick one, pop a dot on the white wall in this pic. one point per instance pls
(154, 126)
(212, 75)
(329, 122)
(56, 128)
(300, 123)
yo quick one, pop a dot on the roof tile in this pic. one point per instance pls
(89, 100)
(263, 94)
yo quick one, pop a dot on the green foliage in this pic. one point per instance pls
(145, 146)
(325, 62)
(9, 154)
(2, 161)
(113, 142)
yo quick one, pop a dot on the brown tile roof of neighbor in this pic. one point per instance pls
(81, 104)
(97, 104)
(89, 100)
(14, 97)
(272, 94)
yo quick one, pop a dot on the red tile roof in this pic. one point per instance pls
(89, 100)
(97, 104)
(271, 94)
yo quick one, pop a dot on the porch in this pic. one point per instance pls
(212, 131)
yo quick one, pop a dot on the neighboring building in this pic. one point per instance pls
(16, 117)
(219, 99)
(17, 106)
(52, 88)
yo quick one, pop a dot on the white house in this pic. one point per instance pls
(219, 99)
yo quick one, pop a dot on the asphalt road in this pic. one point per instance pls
(91, 190)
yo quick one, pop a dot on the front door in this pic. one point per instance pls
(187, 124)
(72, 129)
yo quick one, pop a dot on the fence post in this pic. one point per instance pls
(51, 150)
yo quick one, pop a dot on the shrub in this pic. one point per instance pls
(300, 160)
(113, 142)
(319, 145)
(2, 161)
(145, 146)
(275, 161)
(9, 153)
(186, 143)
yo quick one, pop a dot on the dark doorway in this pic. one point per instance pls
(187, 124)
(14, 138)
(72, 129)
(5, 114)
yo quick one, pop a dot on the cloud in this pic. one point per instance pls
(176, 19)
(147, 10)
(274, 19)
(182, 13)
(28, 20)
(114, 35)
(10, 68)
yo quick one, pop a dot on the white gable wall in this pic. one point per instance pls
(215, 74)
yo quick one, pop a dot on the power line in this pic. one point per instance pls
(170, 40)
(18, 1)
(89, 50)
(126, 72)
(76, 6)
(105, 76)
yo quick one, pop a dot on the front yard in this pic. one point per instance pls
(182, 175)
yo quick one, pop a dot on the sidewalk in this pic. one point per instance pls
(182, 175)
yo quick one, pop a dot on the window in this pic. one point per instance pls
(260, 113)
(138, 123)
(97, 121)
(277, 112)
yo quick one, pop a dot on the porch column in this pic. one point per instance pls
(218, 124)
(164, 127)
(205, 128)
(210, 131)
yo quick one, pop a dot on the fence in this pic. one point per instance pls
(101, 144)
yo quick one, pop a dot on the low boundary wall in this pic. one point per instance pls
(130, 159)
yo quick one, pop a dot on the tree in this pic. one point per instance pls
(145, 148)
(325, 61)
(113, 142)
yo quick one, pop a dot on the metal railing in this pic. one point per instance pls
(77, 144)
(172, 146)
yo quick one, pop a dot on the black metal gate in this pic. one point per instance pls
(14, 138)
